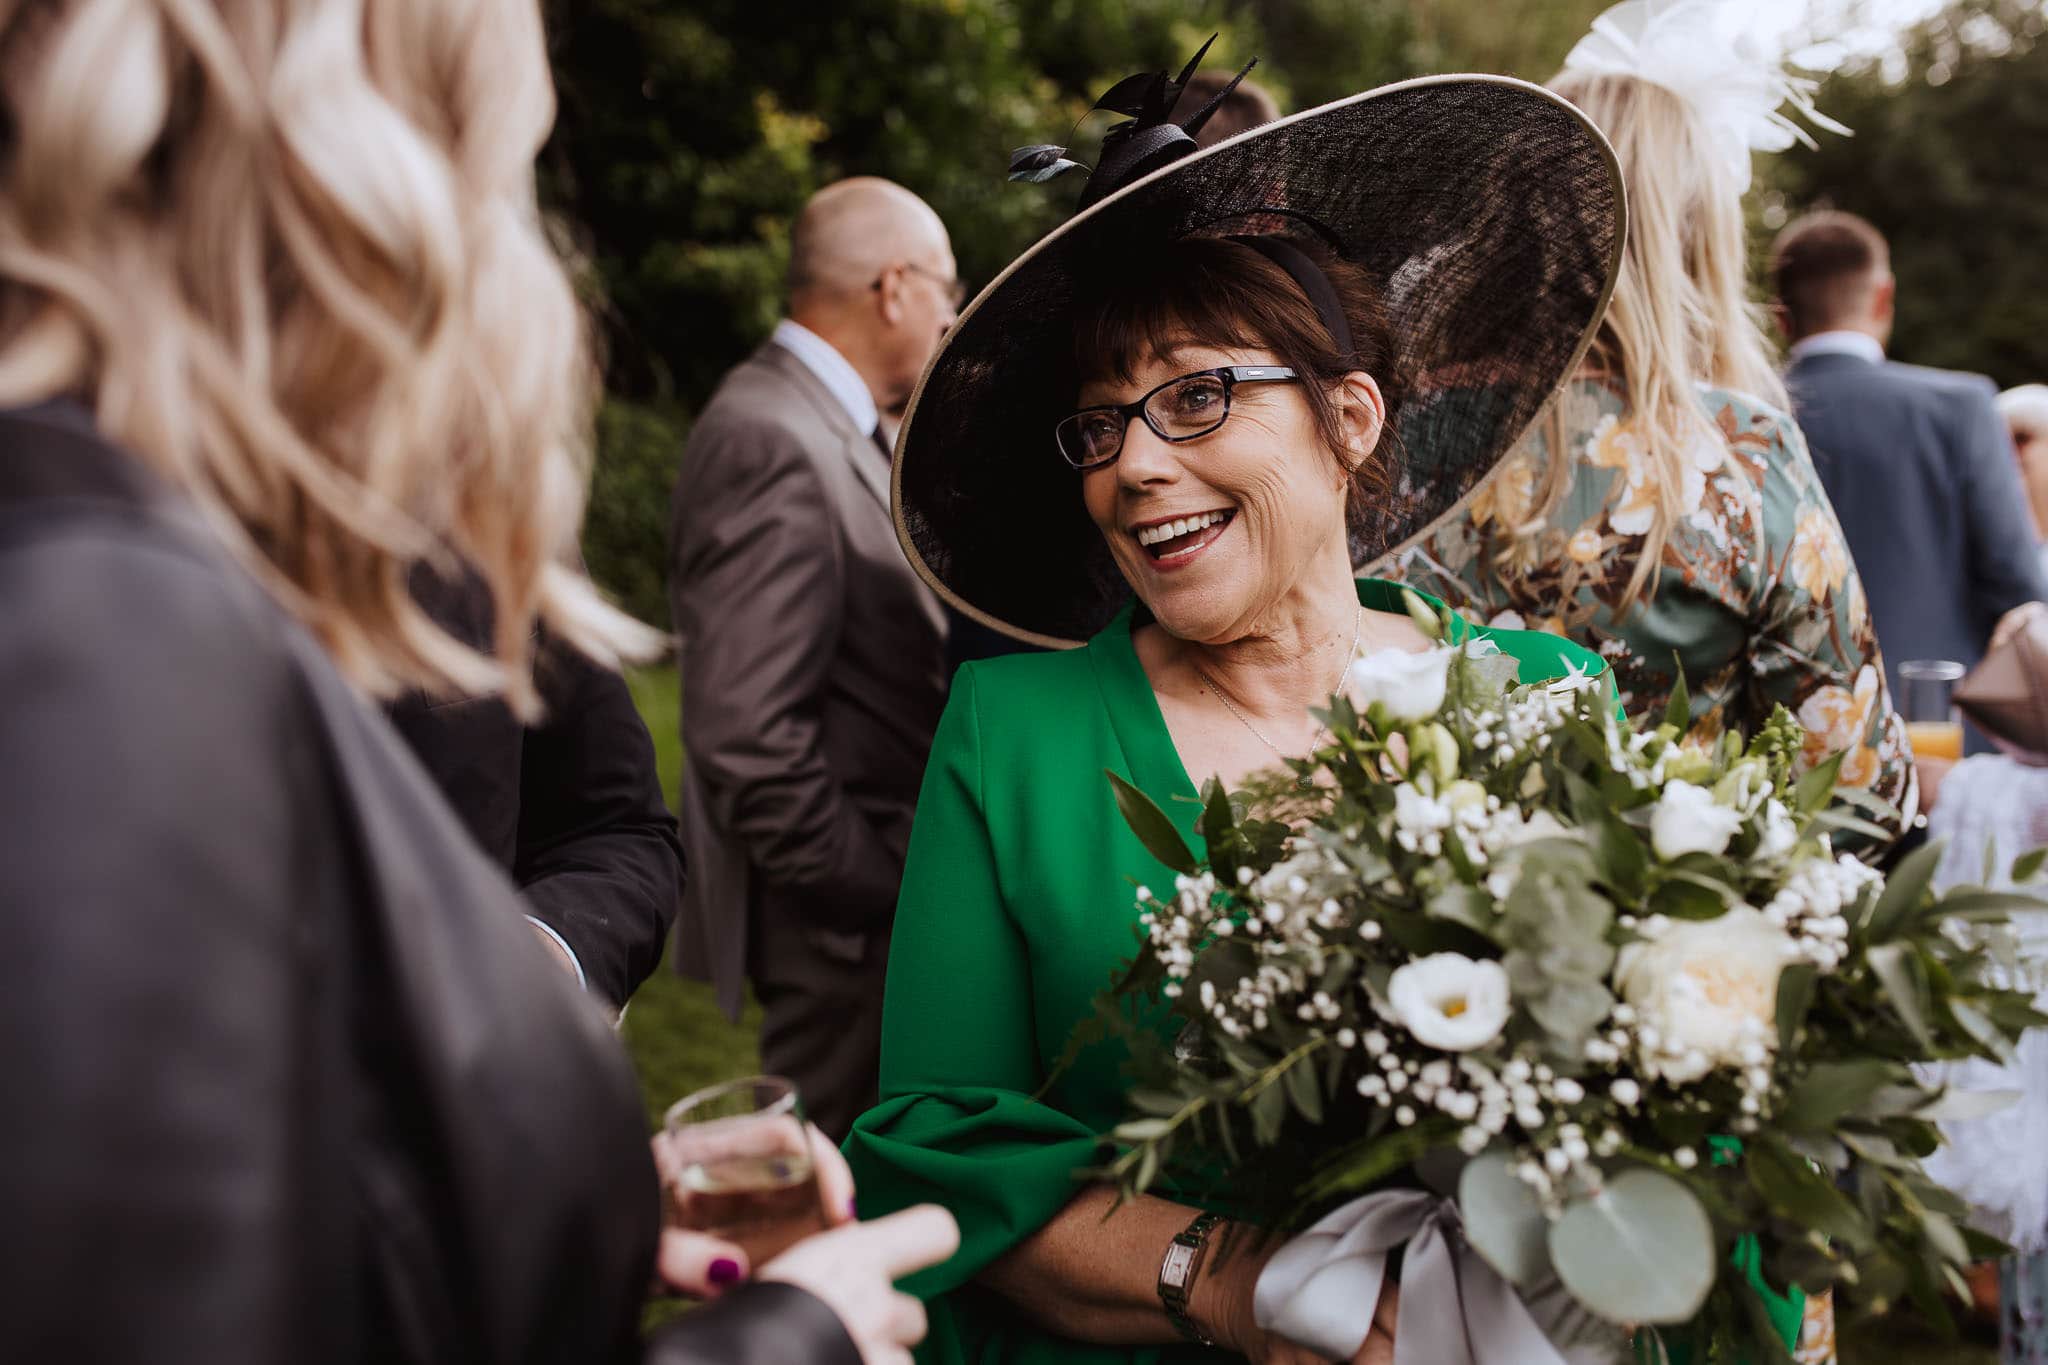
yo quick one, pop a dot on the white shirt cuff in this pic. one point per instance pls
(563, 944)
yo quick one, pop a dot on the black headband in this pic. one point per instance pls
(1303, 270)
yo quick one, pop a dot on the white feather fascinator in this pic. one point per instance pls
(1703, 52)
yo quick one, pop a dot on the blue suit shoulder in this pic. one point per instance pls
(1959, 382)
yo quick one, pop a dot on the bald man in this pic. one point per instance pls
(812, 657)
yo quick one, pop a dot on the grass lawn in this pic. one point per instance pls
(680, 1042)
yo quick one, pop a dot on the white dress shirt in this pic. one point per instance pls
(840, 379)
(1862, 345)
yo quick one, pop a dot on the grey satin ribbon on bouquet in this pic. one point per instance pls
(1320, 1290)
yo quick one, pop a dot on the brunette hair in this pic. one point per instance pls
(1215, 291)
(1823, 266)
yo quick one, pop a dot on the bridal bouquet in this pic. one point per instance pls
(1589, 1002)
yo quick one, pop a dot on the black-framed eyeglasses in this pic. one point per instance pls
(1178, 410)
(953, 287)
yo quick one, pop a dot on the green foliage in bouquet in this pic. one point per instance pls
(1609, 986)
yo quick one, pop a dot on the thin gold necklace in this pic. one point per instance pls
(1322, 732)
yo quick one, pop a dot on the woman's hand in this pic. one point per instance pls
(854, 1269)
(1223, 1307)
(701, 1266)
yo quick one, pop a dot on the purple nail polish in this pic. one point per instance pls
(852, 1210)
(723, 1271)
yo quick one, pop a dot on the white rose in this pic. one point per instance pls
(1687, 819)
(1448, 1001)
(1706, 990)
(1410, 686)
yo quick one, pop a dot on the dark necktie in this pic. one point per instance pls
(882, 444)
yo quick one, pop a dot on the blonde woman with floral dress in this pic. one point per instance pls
(1666, 512)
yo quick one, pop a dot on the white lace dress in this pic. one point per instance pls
(1998, 1162)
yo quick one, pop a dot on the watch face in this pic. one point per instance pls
(1174, 1270)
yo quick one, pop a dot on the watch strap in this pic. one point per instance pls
(1177, 1271)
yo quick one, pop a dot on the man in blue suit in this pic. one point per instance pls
(1916, 461)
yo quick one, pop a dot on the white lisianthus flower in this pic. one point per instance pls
(1780, 834)
(1448, 1001)
(1706, 991)
(1410, 686)
(1687, 819)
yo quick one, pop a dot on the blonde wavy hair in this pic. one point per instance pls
(289, 254)
(1681, 314)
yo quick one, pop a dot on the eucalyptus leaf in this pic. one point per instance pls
(1154, 828)
(1813, 791)
(2028, 866)
(1678, 712)
(1795, 1191)
(1466, 905)
(1943, 1235)
(1903, 889)
(1141, 1130)
(1269, 1113)
(1795, 996)
(1897, 971)
(1503, 1220)
(1955, 1106)
(1369, 1161)
(1148, 1170)
(1641, 1250)
(1978, 1025)
(1570, 1013)
(1831, 1090)
(1983, 905)
(1300, 1081)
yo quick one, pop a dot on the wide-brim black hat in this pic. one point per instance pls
(1489, 210)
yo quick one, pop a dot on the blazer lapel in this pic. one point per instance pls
(860, 446)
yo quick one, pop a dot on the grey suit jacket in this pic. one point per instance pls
(812, 674)
(1922, 475)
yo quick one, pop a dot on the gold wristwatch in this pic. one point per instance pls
(1177, 1275)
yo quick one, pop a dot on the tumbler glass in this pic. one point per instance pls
(1927, 701)
(745, 1171)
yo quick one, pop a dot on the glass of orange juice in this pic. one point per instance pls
(1927, 700)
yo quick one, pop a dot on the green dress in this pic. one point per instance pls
(1017, 908)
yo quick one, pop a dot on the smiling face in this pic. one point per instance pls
(1214, 533)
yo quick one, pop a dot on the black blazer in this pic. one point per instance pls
(287, 1077)
(1922, 476)
(571, 807)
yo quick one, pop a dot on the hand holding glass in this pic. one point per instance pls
(744, 1167)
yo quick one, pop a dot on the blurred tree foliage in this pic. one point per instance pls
(1950, 161)
(691, 131)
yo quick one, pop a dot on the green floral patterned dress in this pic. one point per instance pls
(1756, 595)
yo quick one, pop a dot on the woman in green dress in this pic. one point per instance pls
(1164, 438)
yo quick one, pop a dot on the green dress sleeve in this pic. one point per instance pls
(957, 1124)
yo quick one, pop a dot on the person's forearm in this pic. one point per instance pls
(799, 827)
(1096, 1278)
